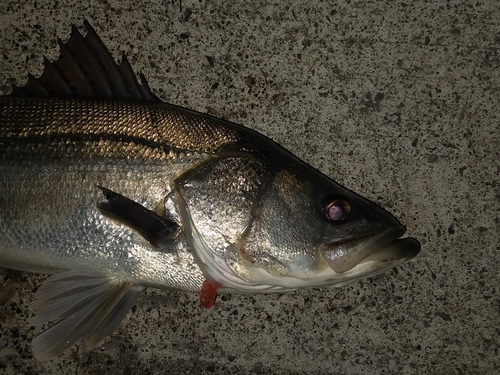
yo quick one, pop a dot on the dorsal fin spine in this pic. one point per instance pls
(86, 69)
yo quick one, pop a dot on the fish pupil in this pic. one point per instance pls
(337, 210)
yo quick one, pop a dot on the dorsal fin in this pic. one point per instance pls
(86, 69)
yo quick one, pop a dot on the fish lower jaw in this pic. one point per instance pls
(249, 279)
(398, 251)
(392, 255)
(345, 254)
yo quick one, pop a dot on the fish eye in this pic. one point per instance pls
(337, 209)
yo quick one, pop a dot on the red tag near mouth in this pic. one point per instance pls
(208, 294)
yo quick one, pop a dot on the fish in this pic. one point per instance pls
(110, 190)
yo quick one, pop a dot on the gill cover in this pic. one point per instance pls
(251, 225)
(218, 201)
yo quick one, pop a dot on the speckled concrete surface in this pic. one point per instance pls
(398, 101)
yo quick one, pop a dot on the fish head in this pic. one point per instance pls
(318, 233)
(255, 227)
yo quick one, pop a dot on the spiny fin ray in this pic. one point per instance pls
(86, 69)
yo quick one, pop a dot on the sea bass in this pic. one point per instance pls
(111, 190)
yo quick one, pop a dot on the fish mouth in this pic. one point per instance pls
(382, 247)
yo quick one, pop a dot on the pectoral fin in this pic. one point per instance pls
(91, 306)
(155, 229)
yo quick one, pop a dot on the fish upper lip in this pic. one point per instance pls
(344, 254)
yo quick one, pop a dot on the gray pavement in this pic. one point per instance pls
(398, 101)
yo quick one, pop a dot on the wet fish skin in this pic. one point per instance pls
(56, 160)
(56, 151)
(113, 190)
(51, 158)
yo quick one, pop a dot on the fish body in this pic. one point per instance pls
(54, 158)
(112, 190)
